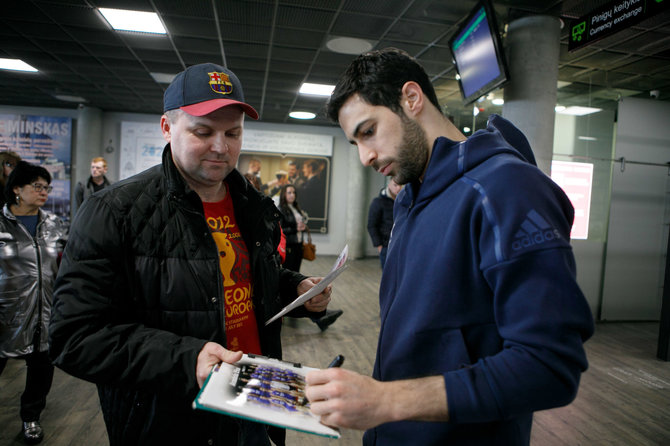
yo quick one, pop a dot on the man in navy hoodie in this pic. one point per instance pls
(482, 321)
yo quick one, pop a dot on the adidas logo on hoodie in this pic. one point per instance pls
(534, 231)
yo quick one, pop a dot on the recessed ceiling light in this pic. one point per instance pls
(128, 20)
(498, 101)
(466, 129)
(16, 65)
(579, 111)
(559, 108)
(69, 98)
(348, 45)
(587, 138)
(302, 115)
(163, 78)
(317, 89)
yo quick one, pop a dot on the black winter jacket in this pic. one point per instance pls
(139, 293)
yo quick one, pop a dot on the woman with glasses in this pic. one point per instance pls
(31, 241)
(8, 161)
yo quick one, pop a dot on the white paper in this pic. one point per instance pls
(337, 269)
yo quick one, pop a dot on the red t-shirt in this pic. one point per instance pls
(241, 326)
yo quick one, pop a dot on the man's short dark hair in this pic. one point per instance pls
(24, 173)
(378, 77)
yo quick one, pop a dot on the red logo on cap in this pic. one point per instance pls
(220, 83)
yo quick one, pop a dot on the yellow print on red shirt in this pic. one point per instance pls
(226, 257)
(234, 263)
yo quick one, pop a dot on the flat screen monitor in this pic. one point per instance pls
(477, 52)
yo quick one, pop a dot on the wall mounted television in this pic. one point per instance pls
(478, 55)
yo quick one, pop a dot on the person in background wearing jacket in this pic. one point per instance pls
(482, 320)
(8, 161)
(97, 181)
(31, 241)
(380, 218)
(293, 223)
(174, 270)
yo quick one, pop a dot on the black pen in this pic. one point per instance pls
(339, 359)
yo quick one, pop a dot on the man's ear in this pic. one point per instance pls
(165, 128)
(412, 100)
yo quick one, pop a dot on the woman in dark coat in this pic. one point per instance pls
(293, 224)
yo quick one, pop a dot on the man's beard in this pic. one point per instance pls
(412, 152)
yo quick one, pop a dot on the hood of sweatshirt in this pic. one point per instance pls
(450, 160)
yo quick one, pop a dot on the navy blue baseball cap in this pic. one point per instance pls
(203, 88)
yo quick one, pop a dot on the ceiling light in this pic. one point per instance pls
(302, 115)
(317, 89)
(579, 111)
(498, 101)
(348, 45)
(70, 98)
(127, 20)
(15, 65)
(587, 138)
(163, 78)
(559, 108)
(466, 129)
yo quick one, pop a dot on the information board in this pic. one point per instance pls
(610, 19)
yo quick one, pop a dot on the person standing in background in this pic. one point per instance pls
(293, 224)
(8, 161)
(293, 221)
(96, 181)
(32, 241)
(380, 218)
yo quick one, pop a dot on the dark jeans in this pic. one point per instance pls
(293, 256)
(39, 377)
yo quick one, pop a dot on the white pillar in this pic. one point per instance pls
(356, 206)
(532, 50)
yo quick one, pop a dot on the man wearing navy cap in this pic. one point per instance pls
(174, 270)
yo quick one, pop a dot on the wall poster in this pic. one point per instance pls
(301, 159)
(46, 141)
(141, 147)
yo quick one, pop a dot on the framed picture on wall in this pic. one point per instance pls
(302, 159)
(309, 174)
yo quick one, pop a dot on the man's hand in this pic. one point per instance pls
(320, 301)
(210, 355)
(347, 399)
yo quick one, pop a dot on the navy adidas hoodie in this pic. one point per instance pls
(479, 287)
